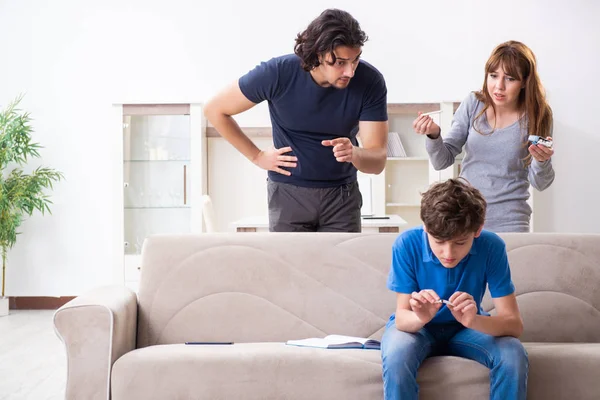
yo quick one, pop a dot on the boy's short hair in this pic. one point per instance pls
(452, 208)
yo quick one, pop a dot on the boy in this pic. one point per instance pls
(451, 258)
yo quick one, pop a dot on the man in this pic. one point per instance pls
(319, 98)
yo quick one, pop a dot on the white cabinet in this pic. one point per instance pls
(397, 190)
(162, 170)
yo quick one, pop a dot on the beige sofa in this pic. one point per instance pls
(259, 290)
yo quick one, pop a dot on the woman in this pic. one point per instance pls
(493, 125)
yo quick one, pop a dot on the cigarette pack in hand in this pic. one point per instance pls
(539, 140)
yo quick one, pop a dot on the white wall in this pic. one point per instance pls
(74, 59)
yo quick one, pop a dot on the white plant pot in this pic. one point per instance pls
(3, 306)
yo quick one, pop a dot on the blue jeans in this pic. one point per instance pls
(402, 353)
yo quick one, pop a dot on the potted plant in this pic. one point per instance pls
(20, 193)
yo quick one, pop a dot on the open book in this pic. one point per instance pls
(337, 342)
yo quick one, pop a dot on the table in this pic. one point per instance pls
(392, 224)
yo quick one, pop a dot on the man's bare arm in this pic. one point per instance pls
(371, 158)
(219, 111)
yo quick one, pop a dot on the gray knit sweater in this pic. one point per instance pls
(493, 164)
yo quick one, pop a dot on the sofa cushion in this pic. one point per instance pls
(246, 371)
(276, 371)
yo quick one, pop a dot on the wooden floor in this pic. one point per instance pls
(32, 359)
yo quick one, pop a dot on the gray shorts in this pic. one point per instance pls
(301, 209)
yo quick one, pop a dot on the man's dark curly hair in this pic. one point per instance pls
(329, 30)
(452, 208)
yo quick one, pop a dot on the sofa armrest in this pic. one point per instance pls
(97, 328)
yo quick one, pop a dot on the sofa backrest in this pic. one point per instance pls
(260, 287)
(557, 280)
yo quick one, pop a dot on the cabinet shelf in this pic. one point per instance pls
(155, 207)
(413, 108)
(155, 161)
(408, 158)
(253, 132)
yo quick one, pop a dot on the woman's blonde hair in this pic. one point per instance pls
(518, 61)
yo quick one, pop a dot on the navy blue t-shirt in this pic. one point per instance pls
(304, 113)
(415, 267)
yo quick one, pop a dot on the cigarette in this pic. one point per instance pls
(432, 112)
(445, 302)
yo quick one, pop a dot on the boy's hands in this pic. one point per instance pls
(464, 309)
(425, 304)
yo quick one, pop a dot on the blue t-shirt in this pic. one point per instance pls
(415, 267)
(304, 113)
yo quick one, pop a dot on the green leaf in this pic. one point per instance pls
(21, 194)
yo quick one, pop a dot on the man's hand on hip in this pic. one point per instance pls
(273, 159)
(343, 150)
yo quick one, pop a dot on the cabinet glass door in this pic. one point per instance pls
(156, 177)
